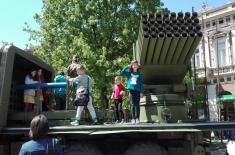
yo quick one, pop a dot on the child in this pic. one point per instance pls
(40, 93)
(82, 80)
(118, 92)
(29, 94)
(60, 94)
(135, 87)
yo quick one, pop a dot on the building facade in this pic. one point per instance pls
(215, 57)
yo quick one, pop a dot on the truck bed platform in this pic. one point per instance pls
(127, 128)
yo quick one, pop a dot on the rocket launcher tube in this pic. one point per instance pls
(187, 14)
(196, 20)
(193, 47)
(179, 48)
(180, 14)
(158, 15)
(137, 51)
(158, 48)
(134, 51)
(173, 15)
(159, 21)
(166, 15)
(165, 47)
(186, 48)
(194, 15)
(144, 49)
(175, 27)
(172, 48)
(151, 50)
(174, 21)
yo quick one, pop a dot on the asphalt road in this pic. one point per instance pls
(218, 148)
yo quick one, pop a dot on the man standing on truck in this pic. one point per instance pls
(71, 73)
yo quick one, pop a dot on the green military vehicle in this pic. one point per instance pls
(164, 47)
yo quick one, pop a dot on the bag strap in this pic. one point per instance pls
(50, 148)
(88, 84)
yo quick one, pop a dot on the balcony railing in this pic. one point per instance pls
(213, 72)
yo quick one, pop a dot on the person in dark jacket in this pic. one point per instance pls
(71, 71)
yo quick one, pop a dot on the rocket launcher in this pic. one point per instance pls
(165, 45)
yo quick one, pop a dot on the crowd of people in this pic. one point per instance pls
(79, 82)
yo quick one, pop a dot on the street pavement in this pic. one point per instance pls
(218, 148)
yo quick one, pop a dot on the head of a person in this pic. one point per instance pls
(39, 127)
(39, 72)
(80, 69)
(134, 66)
(33, 72)
(75, 59)
(118, 79)
(61, 73)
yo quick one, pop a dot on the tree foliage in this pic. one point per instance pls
(100, 32)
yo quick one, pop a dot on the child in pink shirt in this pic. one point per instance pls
(118, 92)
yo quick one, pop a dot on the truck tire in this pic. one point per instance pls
(199, 150)
(145, 149)
(83, 149)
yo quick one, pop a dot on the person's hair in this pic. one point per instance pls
(80, 67)
(75, 59)
(39, 127)
(118, 77)
(61, 72)
(134, 62)
(30, 73)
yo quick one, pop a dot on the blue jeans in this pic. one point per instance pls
(135, 104)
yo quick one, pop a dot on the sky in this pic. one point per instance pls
(14, 13)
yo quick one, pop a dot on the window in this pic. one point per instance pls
(197, 61)
(221, 21)
(208, 24)
(227, 19)
(229, 79)
(221, 80)
(202, 57)
(214, 80)
(213, 23)
(197, 58)
(221, 53)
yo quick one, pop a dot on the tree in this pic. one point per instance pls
(100, 32)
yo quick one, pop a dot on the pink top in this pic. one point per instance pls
(117, 88)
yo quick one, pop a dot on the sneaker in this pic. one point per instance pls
(133, 121)
(122, 121)
(117, 121)
(94, 122)
(137, 121)
(75, 123)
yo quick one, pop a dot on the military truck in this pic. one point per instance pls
(164, 48)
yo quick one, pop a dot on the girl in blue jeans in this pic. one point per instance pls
(135, 87)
